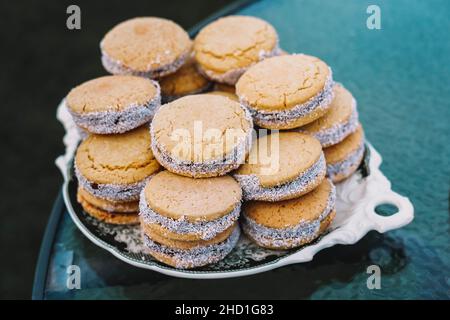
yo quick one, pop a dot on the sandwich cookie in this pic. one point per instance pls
(287, 91)
(291, 223)
(147, 47)
(190, 222)
(113, 104)
(282, 166)
(201, 135)
(225, 48)
(187, 80)
(340, 121)
(229, 95)
(115, 167)
(345, 157)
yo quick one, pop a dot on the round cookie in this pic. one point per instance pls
(201, 135)
(192, 209)
(287, 91)
(340, 121)
(113, 104)
(345, 157)
(107, 205)
(229, 95)
(147, 46)
(118, 218)
(291, 223)
(116, 167)
(195, 255)
(225, 48)
(282, 166)
(187, 80)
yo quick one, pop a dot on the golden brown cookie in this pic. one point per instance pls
(232, 96)
(225, 48)
(282, 166)
(345, 157)
(187, 80)
(201, 135)
(118, 218)
(116, 167)
(287, 91)
(113, 104)
(107, 205)
(290, 223)
(147, 46)
(340, 121)
(194, 208)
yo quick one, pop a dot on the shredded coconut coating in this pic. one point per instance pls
(210, 168)
(205, 229)
(290, 237)
(339, 131)
(198, 256)
(116, 67)
(115, 122)
(112, 192)
(346, 167)
(320, 101)
(252, 189)
(232, 76)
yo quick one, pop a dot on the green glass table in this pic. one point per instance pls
(400, 76)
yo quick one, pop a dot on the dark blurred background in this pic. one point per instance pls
(41, 61)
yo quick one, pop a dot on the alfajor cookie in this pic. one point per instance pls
(116, 167)
(225, 48)
(291, 223)
(340, 121)
(113, 104)
(229, 95)
(282, 166)
(287, 91)
(201, 135)
(345, 157)
(190, 222)
(147, 46)
(186, 80)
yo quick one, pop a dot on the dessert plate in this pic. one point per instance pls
(357, 198)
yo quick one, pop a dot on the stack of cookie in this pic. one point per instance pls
(206, 140)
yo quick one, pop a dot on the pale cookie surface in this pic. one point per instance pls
(340, 120)
(281, 157)
(283, 82)
(117, 159)
(187, 80)
(234, 42)
(339, 152)
(195, 200)
(229, 95)
(199, 128)
(111, 93)
(145, 44)
(290, 213)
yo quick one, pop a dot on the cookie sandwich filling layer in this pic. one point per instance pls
(252, 189)
(230, 162)
(113, 122)
(197, 256)
(112, 192)
(290, 237)
(230, 77)
(320, 101)
(339, 131)
(346, 166)
(207, 230)
(117, 67)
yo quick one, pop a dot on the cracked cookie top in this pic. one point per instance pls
(111, 93)
(200, 127)
(281, 157)
(283, 82)
(341, 109)
(207, 199)
(117, 159)
(234, 42)
(146, 43)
